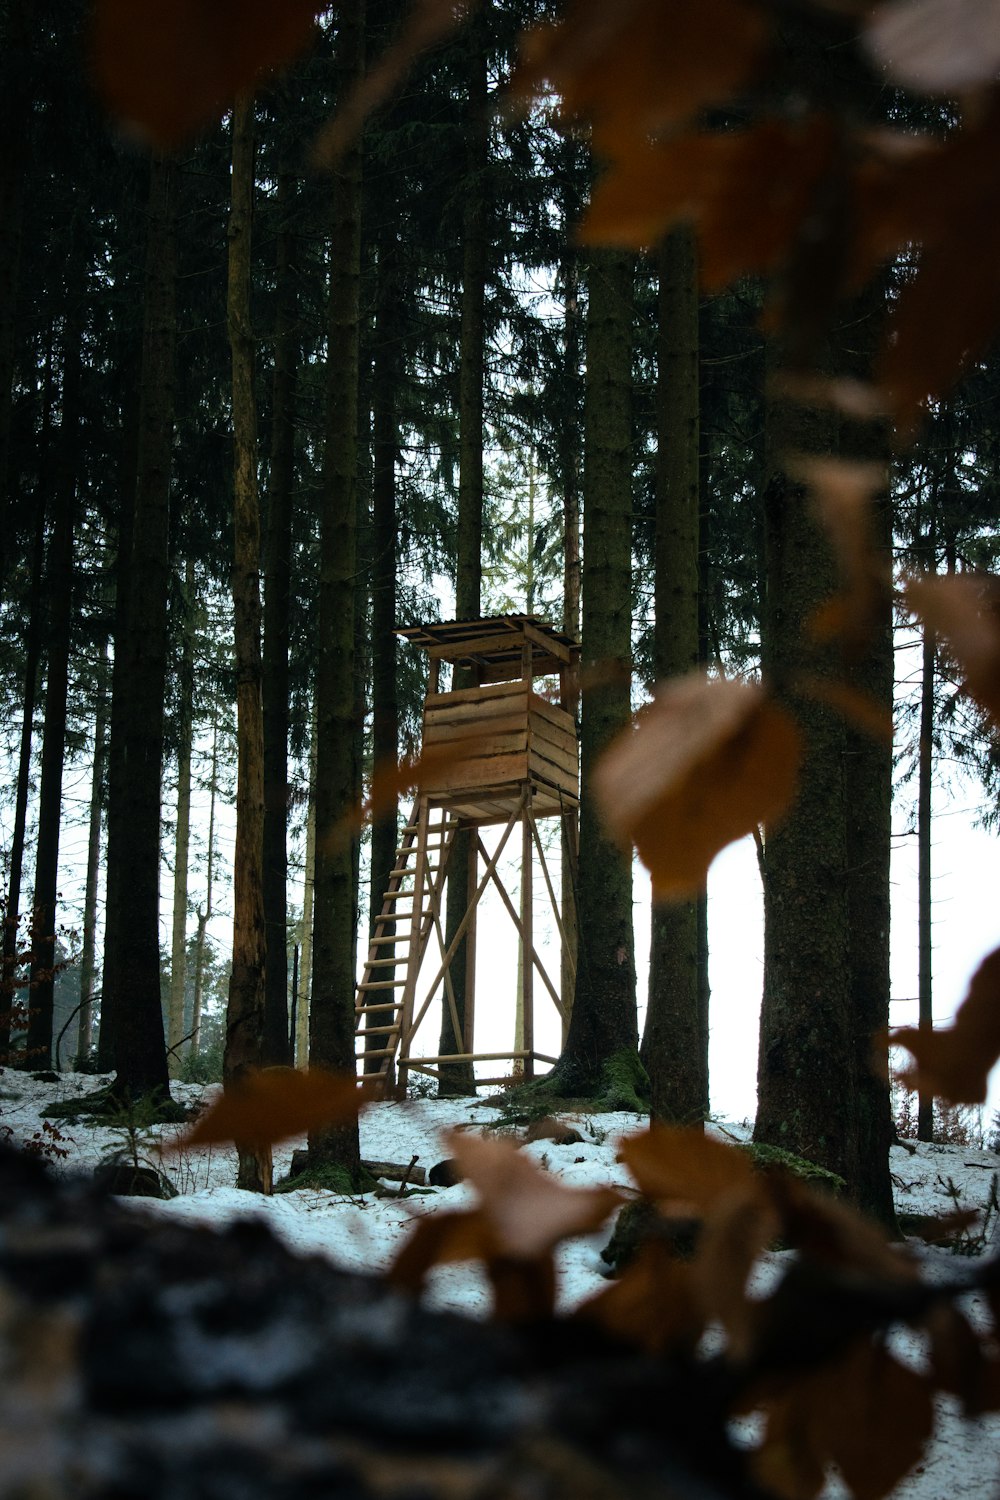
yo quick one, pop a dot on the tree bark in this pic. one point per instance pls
(672, 1049)
(604, 1022)
(385, 705)
(132, 943)
(12, 914)
(206, 912)
(331, 1019)
(570, 476)
(245, 1010)
(459, 1078)
(806, 1078)
(88, 957)
(59, 587)
(925, 930)
(277, 607)
(182, 841)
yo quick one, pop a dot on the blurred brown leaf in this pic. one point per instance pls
(865, 1413)
(842, 493)
(742, 1225)
(937, 46)
(275, 1103)
(955, 1062)
(965, 609)
(635, 67)
(685, 1171)
(522, 1215)
(167, 67)
(650, 1304)
(856, 707)
(747, 192)
(705, 763)
(959, 1362)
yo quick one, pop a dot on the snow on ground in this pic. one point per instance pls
(364, 1232)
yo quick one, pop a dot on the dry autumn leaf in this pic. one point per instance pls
(843, 493)
(955, 1063)
(529, 1211)
(866, 1414)
(166, 67)
(651, 1304)
(636, 66)
(741, 1226)
(704, 764)
(937, 46)
(965, 609)
(685, 1171)
(747, 193)
(276, 1103)
(522, 1215)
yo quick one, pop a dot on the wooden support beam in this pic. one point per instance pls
(515, 918)
(464, 924)
(527, 943)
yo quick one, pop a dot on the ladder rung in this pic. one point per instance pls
(381, 963)
(375, 1052)
(378, 1031)
(381, 984)
(363, 1010)
(399, 937)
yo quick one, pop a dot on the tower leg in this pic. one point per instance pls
(527, 943)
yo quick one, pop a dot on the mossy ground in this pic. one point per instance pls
(623, 1086)
(775, 1158)
(107, 1107)
(328, 1178)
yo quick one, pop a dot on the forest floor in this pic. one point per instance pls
(364, 1232)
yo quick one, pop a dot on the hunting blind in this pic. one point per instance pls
(495, 752)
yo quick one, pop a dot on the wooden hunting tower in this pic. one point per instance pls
(493, 753)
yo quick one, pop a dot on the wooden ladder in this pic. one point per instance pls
(384, 1006)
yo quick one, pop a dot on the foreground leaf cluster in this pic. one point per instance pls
(811, 1358)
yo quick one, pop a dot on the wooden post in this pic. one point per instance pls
(527, 944)
(472, 901)
(570, 936)
(414, 950)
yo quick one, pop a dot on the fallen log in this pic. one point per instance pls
(146, 1356)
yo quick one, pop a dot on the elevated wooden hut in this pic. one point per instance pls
(494, 753)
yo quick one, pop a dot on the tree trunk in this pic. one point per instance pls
(868, 802)
(206, 912)
(925, 919)
(672, 1049)
(308, 906)
(604, 1022)
(245, 1010)
(182, 843)
(570, 476)
(806, 1078)
(59, 587)
(15, 116)
(12, 916)
(331, 1020)
(459, 1078)
(277, 603)
(132, 940)
(385, 706)
(129, 381)
(88, 957)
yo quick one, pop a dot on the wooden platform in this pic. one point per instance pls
(505, 736)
